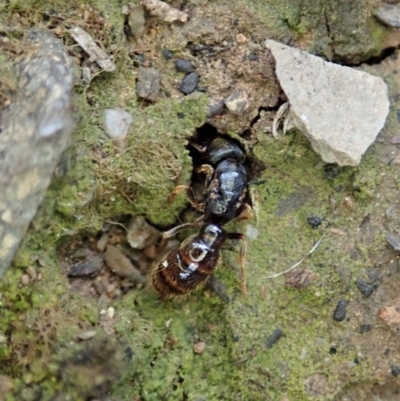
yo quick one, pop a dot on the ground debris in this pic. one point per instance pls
(300, 278)
(390, 314)
(92, 49)
(276, 335)
(164, 11)
(148, 83)
(340, 311)
(122, 266)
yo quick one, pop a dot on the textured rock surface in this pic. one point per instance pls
(35, 130)
(340, 110)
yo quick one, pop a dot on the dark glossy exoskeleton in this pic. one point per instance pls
(191, 264)
(186, 267)
(228, 184)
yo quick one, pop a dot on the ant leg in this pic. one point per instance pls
(242, 258)
(190, 194)
(208, 170)
(167, 235)
(245, 212)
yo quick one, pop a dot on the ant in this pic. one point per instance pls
(186, 267)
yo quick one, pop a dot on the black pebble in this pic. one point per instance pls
(184, 65)
(314, 221)
(180, 115)
(274, 338)
(365, 288)
(167, 54)
(395, 370)
(189, 83)
(340, 310)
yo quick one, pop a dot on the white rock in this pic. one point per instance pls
(117, 123)
(341, 110)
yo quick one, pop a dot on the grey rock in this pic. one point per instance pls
(148, 83)
(339, 109)
(189, 83)
(237, 102)
(389, 14)
(184, 65)
(117, 123)
(36, 128)
(394, 241)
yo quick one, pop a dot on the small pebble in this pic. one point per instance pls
(340, 311)
(199, 347)
(314, 221)
(136, 21)
(102, 242)
(148, 83)
(184, 65)
(167, 54)
(216, 108)
(117, 123)
(86, 335)
(122, 266)
(189, 83)
(237, 102)
(274, 338)
(395, 370)
(110, 312)
(25, 279)
(87, 268)
(394, 241)
(240, 38)
(365, 288)
(141, 234)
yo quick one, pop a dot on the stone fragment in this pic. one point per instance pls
(276, 335)
(199, 347)
(148, 83)
(184, 65)
(394, 241)
(117, 123)
(136, 20)
(340, 311)
(164, 11)
(215, 107)
(141, 234)
(237, 102)
(189, 83)
(339, 109)
(389, 14)
(121, 265)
